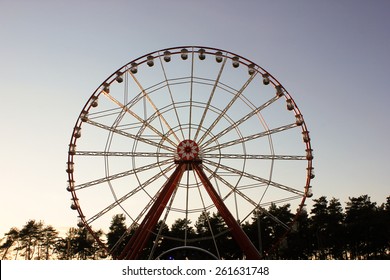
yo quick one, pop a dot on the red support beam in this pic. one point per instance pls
(238, 234)
(137, 242)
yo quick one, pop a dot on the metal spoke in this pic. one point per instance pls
(231, 187)
(105, 113)
(222, 114)
(122, 174)
(250, 137)
(244, 196)
(152, 200)
(130, 194)
(241, 121)
(142, 120)
(147, 206)
(210, 98)
(207, 217)
(161, 117)
(123, 154)
(246, 156)
(191, 92)
(129, 135)
(171, 95)
(186, 209)
(254, 177)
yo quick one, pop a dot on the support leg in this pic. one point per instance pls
(142, 234)
(238, 234)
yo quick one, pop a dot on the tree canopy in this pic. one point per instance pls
(360, 231)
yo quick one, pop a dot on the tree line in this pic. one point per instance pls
(361, 230)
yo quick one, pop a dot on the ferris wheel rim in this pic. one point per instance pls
(177, 51)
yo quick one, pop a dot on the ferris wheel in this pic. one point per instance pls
(184, 132)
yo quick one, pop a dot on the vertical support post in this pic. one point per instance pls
(237, 232)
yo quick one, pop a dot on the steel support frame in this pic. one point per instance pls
(238, 234)
(138, 241)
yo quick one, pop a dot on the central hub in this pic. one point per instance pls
(188, 150)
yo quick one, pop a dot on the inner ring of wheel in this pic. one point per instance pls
(188, 150)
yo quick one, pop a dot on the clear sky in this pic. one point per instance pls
(332, 56)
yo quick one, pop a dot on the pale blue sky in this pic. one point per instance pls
(332, 56)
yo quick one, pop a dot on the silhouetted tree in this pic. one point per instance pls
(117, 237)
(157, 244)
(255, 230)
(380, 234)
(327, 229)
(274, 223)
(385, 218)
(319, 223)
(361, 232)
(49, 238)
(335, 230)
(66, 246)
(12, 238)
(182, 229)
(78, 244)
(29, 239)
(86, 246)
(360, 226)
(300, 239)
(213, 234)
(178, 235)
